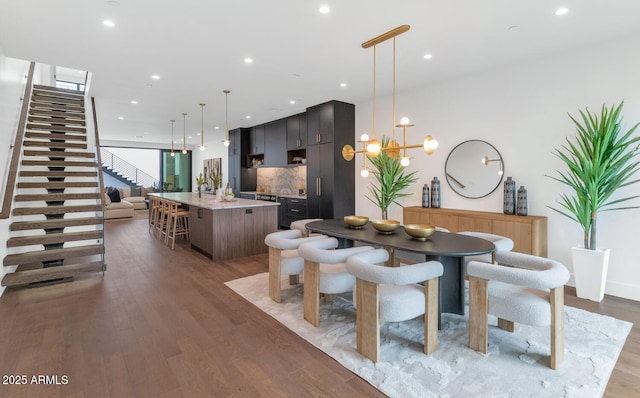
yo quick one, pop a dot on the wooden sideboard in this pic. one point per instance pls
(529, 233)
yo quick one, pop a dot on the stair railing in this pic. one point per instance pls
(120, 165)
(17, 146)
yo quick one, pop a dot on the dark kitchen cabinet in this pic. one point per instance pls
(239, 176)
(330, 178)
(297, 132)
(275, 143)
(256, 140)
(291, 209)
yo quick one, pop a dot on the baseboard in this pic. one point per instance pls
(617, 289)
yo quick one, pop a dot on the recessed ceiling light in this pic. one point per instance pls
(198, 134)
(292, 102)
(189, 137)
(121, 117)
(324, 10)
(108, 23)
(428, 56)
(343, 84)
(248, 60)
(217, 127)
(561, 11)
(155, 77)
(134, 102)
(247, 117)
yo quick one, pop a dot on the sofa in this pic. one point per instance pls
(124, 203)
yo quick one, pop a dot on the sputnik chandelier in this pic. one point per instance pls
(371, 146)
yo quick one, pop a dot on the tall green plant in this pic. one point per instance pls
(391, 178)
(600, 160)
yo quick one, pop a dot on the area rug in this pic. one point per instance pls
(516, 365)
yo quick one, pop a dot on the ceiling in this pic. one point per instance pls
(197, 48)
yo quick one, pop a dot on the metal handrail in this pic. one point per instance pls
(127, 170)
(17, 146)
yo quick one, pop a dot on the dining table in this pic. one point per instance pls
(449, 249)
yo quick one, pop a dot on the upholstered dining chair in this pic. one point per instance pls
(302, 225)
(325, 271)
(502, 243)
(521, 288)
(392, 294)
(284, 258)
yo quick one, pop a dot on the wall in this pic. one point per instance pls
(522, 110)
(12, 80)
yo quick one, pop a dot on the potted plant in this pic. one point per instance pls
(199, 182)
(391, 177)
(599, 160)
(215, 180)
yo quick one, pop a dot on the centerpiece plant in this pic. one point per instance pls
(392, 179)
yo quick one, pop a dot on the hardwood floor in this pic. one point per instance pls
(161, 323)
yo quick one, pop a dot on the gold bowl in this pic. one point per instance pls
(419, 231)
(356, 221)
(385, 226)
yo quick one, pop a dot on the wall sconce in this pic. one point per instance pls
(184, 133)
(226, 141)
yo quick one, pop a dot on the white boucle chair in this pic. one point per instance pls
(502, 243)
(325, 272)
(302, 225)
(526, 289)
(284, 258)
(392, 294)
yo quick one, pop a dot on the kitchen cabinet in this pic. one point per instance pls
(297, 132)
(256, 140)
(275, 143)
(201, 235)
(330, 178)
(240, 178)
(291, 209)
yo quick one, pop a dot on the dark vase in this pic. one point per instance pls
(509, 196)
(435, 192)
(425, 195)
(522, 201)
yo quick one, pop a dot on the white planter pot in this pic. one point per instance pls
(590, 272)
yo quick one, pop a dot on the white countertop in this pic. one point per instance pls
(210, 202)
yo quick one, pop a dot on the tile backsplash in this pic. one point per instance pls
(283, 181)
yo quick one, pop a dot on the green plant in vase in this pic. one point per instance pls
(199, 182)
(392, 179)
(216, 179)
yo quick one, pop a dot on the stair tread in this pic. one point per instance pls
(56, 107)
(57, 184)
(79, 101)
(56, 196)
(55, 136)
(59, 163)
(26, 211)
(44, 274)
(58, 89)
(49, 127)
(50, 144)
(63, 114)
(52, 254)
(50, 224)
(59, 154)
(55, 120)
(45, 173)
(52, 238)
(57, 94)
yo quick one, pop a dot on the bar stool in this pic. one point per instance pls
(177, 223)
(154, 213)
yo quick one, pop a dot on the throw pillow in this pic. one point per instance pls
(136, 191)
(107, 199)
(114, 194)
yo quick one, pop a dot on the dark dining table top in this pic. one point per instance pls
(438, 244)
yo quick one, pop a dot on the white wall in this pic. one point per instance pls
(522, 111)
(12, 81)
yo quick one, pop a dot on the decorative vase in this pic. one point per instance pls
(509, 202)
(425, 195)
(435, 192)
(522, 201)
(590, 272)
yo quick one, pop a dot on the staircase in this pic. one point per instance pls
(56, 228)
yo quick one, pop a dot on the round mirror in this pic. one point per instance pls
(474, 169)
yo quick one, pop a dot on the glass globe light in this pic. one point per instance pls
(404, 121)
(184, 151)
(202, 147)
(364, 173)
(430, 144)
(373, 148)
(227, 142)
(173, 154)
(364, 137)
(405, 161)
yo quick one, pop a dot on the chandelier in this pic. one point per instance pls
(372, 146)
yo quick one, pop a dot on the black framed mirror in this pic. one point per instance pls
(474, 169)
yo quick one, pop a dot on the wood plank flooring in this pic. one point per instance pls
(161, 323)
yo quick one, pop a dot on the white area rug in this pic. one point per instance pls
(516, 365)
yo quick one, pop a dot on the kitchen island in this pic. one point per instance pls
(224, 230)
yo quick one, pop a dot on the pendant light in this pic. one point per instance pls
(226, 116)
(172, 152)
(184, 133)
(202, 126)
